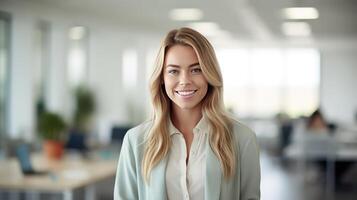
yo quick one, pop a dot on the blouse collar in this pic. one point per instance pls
(201, 127)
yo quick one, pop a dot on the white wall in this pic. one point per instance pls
(107, 42)
(21, 78)
(339, 83)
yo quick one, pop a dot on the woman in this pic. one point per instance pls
(319, 136)
(316, 122)
(191, 149)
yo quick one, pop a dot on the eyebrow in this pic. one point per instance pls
(178, 66)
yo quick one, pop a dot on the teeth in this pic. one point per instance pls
(186, 93)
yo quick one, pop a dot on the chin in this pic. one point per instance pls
(187, 106)
(184, 106)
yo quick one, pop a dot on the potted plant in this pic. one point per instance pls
(82, 118)
(84, 109)
(52, 129)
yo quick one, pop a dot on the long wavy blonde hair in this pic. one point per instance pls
(158, 140)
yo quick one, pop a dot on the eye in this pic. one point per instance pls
(172, 71)
(196, 70)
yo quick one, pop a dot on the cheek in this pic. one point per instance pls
(205, 90)
(205, 87)
(203, 83)
(167, 90)
(168, 85)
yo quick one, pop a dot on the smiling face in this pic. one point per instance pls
(184, 82)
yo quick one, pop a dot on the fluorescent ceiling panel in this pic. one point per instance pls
(300, 13)
(186, 14)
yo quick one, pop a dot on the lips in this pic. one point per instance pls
(186, 93)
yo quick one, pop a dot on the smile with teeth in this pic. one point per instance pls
(186, 93)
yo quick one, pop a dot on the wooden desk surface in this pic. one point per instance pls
(67, 174)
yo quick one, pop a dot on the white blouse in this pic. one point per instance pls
(187, 182)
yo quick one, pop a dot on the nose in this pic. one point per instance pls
(185, 78)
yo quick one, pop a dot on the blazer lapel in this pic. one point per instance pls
(157, 187)
(213, 175)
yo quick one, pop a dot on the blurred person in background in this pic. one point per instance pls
(191, 148)
(323, 131)
(316, 122)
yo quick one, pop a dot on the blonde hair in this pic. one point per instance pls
(221, 140)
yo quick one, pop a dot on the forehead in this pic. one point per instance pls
(182, 55)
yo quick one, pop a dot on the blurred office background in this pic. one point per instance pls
(281, 60)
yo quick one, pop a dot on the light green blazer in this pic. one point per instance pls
(245, 185)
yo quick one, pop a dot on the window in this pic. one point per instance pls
(78, 56)
(264, 82)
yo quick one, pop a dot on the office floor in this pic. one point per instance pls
(284, 180)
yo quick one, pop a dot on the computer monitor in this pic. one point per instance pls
(23, 155)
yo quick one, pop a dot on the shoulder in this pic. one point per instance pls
(136, 135)
(243, 134)
(242, 131)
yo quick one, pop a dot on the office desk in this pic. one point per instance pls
(66, 175)
(332, 149)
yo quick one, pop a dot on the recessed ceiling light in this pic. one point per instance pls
(300, 13)
(206, 28)
(186, 14)
(296, 29)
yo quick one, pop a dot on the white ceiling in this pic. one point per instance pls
(248, 20)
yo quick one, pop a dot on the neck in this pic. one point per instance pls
(185, 119)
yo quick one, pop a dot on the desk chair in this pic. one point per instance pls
(117, 136)
(77, 141)
(118, 133)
